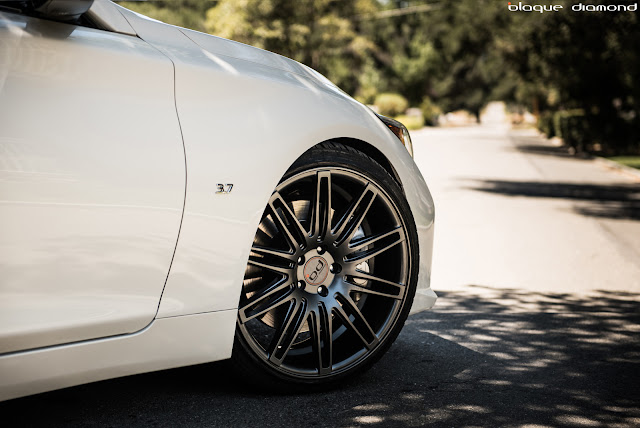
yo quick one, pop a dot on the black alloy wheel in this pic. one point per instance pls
(331, 274)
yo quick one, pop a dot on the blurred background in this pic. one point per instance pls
(573, 75)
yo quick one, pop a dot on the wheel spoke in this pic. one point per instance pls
(270, 266)
(351, 221)
(355, 273)
(271, 252)
(320, 328)
(262, 302)
(322, 205)
(359, 325)
(365, 242)
(360, 289)
(288, 222)
(288, 331)
(366, 255)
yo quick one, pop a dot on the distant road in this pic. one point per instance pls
(512, 210)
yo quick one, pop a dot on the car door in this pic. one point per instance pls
(92, 182)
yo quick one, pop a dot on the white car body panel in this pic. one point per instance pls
(91, 191)
(245, 115)
(166, 343)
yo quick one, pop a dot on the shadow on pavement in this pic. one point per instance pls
(611, 201)
(483, 357)
(545, 149)
(537, 145)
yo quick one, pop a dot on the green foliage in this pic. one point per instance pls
(411, 122)
(581, 61)
(319, 33)
(573, 127)
(632, 161)
(570, 125)
(391, 104)
(183, 13)
(430, 111)
(371, 83)
(546, 124)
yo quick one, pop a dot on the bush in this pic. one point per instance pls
(390, 104)
(545, 124)
(430, 111)
(411, 122)
(573, 127)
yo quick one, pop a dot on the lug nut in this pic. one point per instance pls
(320, 250)
(301, 260)
(301, 284)
(335, 268)
(323, 291)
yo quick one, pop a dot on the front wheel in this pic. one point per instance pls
(331, 274)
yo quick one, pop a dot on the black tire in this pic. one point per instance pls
(331, 276)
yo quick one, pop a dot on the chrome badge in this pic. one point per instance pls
(224, 188)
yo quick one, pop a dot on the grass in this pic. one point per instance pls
(632, 161)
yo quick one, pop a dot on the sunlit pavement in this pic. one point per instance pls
(537, 264)
(515, 211)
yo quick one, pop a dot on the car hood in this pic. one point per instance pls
(220, 46)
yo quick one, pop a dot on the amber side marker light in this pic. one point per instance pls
(400, 131)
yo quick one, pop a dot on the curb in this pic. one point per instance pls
(627, 170)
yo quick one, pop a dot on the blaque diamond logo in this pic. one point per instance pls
(534, 7)
(604, 8)
(542, 8)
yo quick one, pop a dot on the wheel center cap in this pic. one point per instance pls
(316, 270)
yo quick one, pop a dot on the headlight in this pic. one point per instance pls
(400, 131)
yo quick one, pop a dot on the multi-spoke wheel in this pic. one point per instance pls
(331, 274)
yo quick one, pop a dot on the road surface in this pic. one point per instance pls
(537, 264)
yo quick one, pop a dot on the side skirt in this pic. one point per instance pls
(165, 343)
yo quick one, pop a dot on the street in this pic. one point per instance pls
(537, 265)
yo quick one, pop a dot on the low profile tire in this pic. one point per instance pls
(331, 275)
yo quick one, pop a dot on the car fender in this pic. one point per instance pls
(246, 115)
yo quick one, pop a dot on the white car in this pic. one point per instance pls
(171, 198)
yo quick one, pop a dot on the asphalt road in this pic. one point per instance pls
(537, 264)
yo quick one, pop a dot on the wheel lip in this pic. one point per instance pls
(396, 312)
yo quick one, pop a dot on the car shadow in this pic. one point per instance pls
(485, 356)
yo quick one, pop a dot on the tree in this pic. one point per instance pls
(319, 33)
(183, 13)
(581, 61)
